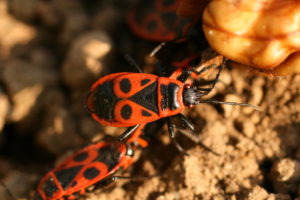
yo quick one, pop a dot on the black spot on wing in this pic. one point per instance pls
(66, 176)
(91, 173)
(49, 187)
(125, 85)
(147, 97)
(145, 81)
(145, 113)
(152, 26)
(81, 157)
(126, 111)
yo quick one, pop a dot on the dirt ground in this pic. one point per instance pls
(50, 54)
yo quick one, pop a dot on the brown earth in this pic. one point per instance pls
(50, 54)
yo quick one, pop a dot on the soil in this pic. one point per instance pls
(50, 54)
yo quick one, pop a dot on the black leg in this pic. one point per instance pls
(133, 63)
(205, 69)
(187, 123)
(128, 132)
(172, 134)
(171, 128)
(161, 69)
(185, 74)
(105, 182)
(206, 91)
(198, 142)
(190, 134)
(111, 179)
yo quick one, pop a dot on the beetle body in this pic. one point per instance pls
(90, 165)
(126, 99)
(156, 20)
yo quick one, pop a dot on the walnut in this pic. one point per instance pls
(262, 34)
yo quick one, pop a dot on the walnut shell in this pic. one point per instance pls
(263, 34)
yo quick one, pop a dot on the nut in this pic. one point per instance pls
(261, 34)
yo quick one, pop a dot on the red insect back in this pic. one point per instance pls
(83, 169)
(138, 103)
(124, 99)
(156, 20)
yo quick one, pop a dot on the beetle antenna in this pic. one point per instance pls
(156, 49)
(133, 63)
(212, 101)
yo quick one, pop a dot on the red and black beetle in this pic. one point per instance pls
(128, 99)
(156, 20)
(91, 167)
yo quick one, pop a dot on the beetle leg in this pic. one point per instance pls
(131, 61)
(214, 81)
(205, 69)
(171, 128)
(128, 132)
(108, 180)
(185, 74)
(192, 137)
(184, 120)
(172, 134)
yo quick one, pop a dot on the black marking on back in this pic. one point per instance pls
(147, 97)
(126, 111)
(145, 81)
(81, 157)
(164, 93)
(169, 96)
(66, 176)
(49, 187)
(105, 101)
(108, 155)
(144, 8)
(151, 26)
(145, 113)
(125, 85)
(91, 173)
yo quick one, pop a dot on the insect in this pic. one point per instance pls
(92, 167)
(157, 20)
(127, 99)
